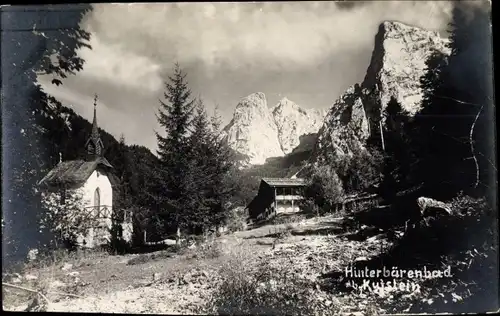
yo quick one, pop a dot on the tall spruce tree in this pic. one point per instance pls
(210, 179)
(174, 116)
(221, 162)
(199, 176)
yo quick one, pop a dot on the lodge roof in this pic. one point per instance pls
(73, 172)
(279, 182)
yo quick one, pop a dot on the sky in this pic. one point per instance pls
(309, 52)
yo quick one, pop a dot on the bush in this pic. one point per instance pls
(324, 189)
(208, 250)
(237, 219)
(269, 291)
(309, 206)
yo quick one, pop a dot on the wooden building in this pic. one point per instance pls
(275, 196)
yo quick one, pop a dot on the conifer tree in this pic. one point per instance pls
(210, 172)
(197, 202)
(175, 117)
(221, 161)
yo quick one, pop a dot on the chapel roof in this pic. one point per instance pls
(73, 172)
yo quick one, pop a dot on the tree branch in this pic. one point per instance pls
(458, 101)
(26, 289)
(472, 146)
(35, 291)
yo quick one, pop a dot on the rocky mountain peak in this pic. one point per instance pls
(293, 121)
(252, 131)
(397, 64)
(259, 132)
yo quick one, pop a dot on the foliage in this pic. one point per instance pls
(213, 168)
(324, 188)
(68, 220)
(247, 187)
(364, 171)
(237, 219)
(172, 183)
(46, 41)
(193, 185)
(398, 153)
(360, 170)
(269, 291)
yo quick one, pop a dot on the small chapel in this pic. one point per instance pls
(92, 179)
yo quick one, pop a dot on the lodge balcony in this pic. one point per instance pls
(289, 197)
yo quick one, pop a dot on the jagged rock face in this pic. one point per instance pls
(259, 133)
(252, 131)
(346, 125)
(293, 122)
(397, 64)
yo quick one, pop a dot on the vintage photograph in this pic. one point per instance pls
(249, 158)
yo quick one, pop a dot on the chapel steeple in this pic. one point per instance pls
(94, 144)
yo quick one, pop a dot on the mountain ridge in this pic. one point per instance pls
(260, 132)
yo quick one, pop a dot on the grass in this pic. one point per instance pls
(242, 273)
(37, 279)
(244, 289)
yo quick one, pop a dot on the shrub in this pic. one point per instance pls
(269, 291)
(237, 219)
(324, 189)
(309, 206)
(209, 250)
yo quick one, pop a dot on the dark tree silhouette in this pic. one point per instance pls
(454, 153)
(36, 40)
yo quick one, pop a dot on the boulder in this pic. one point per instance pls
(429, 206)
(32, 255)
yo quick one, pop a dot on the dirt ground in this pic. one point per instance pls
(180, 283)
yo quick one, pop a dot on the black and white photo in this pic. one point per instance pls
(249, 158)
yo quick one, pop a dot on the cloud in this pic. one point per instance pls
(307, 51)
(110, 62)
(238, 35)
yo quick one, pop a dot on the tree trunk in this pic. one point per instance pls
(178, 236)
